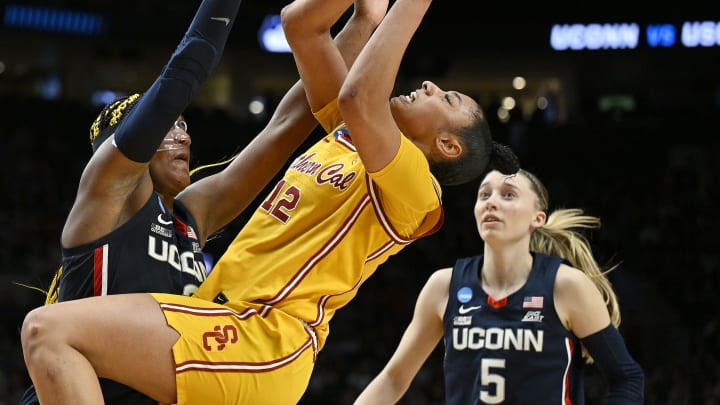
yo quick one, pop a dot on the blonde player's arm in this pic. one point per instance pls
(579, 303)
(418, 341)
(582, 309)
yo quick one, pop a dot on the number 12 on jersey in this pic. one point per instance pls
(280, 203)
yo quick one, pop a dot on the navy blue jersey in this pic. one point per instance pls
(153, 252)
(514, 350)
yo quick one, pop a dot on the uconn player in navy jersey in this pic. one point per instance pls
(519, 321)
(157, 248)
(137, 224)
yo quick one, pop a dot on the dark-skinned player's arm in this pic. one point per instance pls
(216, 200)
(307, 25)
(365, 94)
(116, 183)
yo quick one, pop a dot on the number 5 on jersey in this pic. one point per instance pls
(488, 379)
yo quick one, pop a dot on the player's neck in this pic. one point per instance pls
(502, 275)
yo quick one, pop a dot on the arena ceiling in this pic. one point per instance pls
(477, 47)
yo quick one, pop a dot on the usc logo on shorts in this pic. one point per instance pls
(222, 335)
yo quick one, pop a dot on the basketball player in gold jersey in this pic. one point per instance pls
(252, 331)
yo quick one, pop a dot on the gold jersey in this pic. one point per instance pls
(325, 228)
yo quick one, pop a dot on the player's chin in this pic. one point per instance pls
(398, 107)
(181, 177)
(397, 102)
(181, 184)
(489, 234)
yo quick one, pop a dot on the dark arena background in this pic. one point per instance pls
(615, 106)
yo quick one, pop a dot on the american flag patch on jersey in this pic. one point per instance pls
(341, 132)
(533, 302)
(191, 233)
(186, 230)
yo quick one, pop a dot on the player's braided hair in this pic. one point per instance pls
(101, 129)
(51, 294)
(110, 117)
(53, 291)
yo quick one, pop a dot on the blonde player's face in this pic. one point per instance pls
(506, 209)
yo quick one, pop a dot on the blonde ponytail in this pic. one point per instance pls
(561, 236)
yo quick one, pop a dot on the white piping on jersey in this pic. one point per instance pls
(341, 139)
(310, 264)
(380, 251)
(216, 311)
(381, 214)
(189, 366)
(162, 206)
(324, 299)
(384, 222)
(104, 270)
(437, 191)
(313, 337)
(199, 365)
(568, 351)
(320, 310)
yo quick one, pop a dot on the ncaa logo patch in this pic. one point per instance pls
(464, 294)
